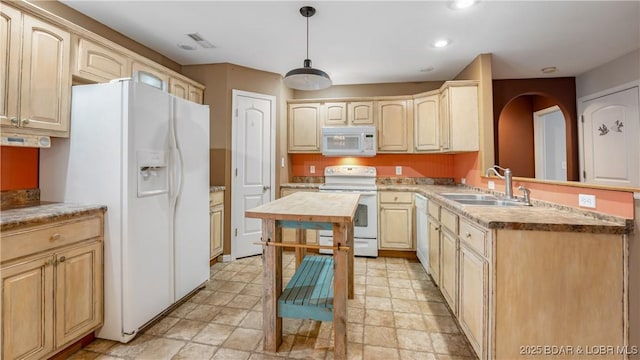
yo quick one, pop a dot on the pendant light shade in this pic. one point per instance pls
(307, 77)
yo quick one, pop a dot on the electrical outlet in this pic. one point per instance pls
(312, 169)
(491, 185)
(463, 181)
(398, 170)
(587, 200)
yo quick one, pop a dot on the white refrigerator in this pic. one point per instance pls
(145, 154)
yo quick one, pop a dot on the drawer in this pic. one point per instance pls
(449, 220)
(42, 238)
(396, 197)
(433, 209)
(216, 198)
(474, 237)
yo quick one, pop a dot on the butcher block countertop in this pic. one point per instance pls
(309, 206)
(42, 213)
(543, 216)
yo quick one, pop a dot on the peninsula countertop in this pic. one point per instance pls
(42, 213)
(543, 216)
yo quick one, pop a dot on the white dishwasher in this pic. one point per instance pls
(422, 231)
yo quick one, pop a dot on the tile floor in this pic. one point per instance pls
(397, 313)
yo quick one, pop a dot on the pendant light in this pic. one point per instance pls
(307, 77)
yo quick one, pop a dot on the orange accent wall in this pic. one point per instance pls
(413, 165)
(618, 203)
(18, 168)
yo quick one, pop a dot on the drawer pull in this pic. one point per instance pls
(62, 259)
(467, 234)
(55, 237)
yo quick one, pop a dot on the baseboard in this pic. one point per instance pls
(74, 347)
(411, 255)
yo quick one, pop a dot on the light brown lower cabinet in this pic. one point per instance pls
(395, 221)
(216, 213)
(532, 294)
(52, 283)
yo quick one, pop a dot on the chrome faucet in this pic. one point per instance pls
(508, 186)
(526, 195)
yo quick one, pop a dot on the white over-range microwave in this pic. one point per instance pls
(349, 141)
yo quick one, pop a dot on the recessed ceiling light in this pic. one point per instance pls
(441, 43)
(427, 69)
(186, 47)
(463, 4)
(549, 70)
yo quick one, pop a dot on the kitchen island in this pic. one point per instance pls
(320, 211)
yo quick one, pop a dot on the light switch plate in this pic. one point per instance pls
(463, 181)
(398, 170)
(312, 169)
(491, 185)
(588, 201)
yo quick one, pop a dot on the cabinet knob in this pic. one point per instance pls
(55, 237)
(25, 121)
(15, 121)
(467, 234)
(437, 228)
(48, 262)
(62, 259)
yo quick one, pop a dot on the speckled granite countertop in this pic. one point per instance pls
(215, 188)
(542, 216)
(44, 213)
(300, 185)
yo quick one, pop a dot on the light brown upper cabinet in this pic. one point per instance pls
(150, 75)
(196, 94)
(426, 122)
(96, 62)
(179, 88)
(459, 116)
(360, 113)
(394, 125)
(35, 64)
(304, 127)
(334, 114)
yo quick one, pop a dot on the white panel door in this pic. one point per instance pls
(253, 167)
(611, 133)
(191, 192)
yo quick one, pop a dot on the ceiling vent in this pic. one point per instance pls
(201, 41)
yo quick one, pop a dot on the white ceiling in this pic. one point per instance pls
(383, 41)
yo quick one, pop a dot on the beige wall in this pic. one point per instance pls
(367, 90)
(614, 73)
(220, 80)
(480, 69)
(67, 13)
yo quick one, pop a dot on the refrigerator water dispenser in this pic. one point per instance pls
(153, 173)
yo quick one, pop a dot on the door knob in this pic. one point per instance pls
(265, 188)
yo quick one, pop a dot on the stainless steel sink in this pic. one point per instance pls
(480, 199)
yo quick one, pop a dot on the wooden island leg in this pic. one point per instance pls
(340, 292)
(301, 238)
(351, 258)
(272, 280)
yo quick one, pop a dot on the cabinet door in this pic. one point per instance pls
(289, 235)
(449, 269)
(396, 226)
(45, 79)
(196, 94)
(434, 250)
(217, 213)
(473, 311)
(360, 113)
(463, 118)
(10, 40)
(445, 129)
(78, 292)
(393, 126)
(150, 75)
(98, 63)
(426, 123)
(27, 309)
(335, 114)
(179, 88)
(304, 127)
